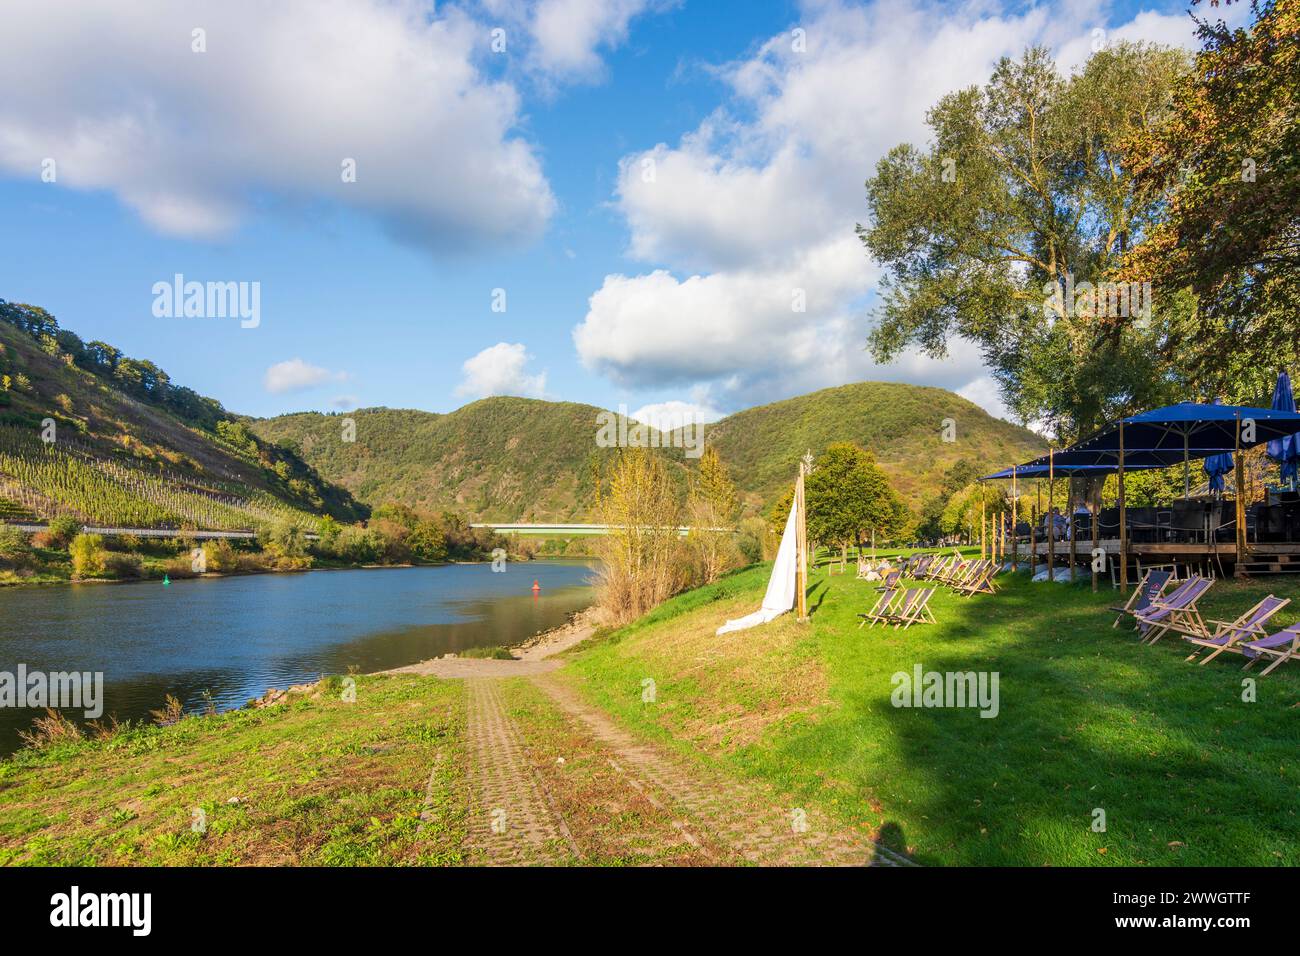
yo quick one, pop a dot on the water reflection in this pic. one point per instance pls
(234, 637)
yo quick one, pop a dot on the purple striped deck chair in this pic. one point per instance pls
(1177, 610)
(1228, 634)
(879, 613)
(982, 581)
(890, 580)
(915, 611)
(1284, 645)
(1149, 589)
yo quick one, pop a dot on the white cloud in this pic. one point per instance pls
(762, 198)
(563, 39)
(671, 415)
(295, 375)
(499, 370)
(567, 33)
(283, 95)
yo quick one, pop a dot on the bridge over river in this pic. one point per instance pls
(566, 530)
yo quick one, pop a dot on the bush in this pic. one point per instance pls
(88, 556)
(14, 549)
(283, 539)
(62, 530)
(124, 567)
(219, 555)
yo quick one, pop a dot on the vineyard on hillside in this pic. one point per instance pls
(45, 480)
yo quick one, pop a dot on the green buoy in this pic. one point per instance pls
(166, 580)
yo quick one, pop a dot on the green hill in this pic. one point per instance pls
(130, 448)
(902, 425)
(502, 459)
(508, 459)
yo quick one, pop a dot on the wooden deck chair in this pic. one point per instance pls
(965, 573)
(1284, 646)
(1173, 596)
(915, 611)
(1151, 586)
(1229, 634)
(1175, 612)
(890, 580)
(880, 611)
(950, 570)
(981, 582)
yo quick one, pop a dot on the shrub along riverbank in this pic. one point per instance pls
(394, 535)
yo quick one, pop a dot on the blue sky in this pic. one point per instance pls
(648, 182)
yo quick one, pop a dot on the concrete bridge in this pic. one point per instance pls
(567, 530)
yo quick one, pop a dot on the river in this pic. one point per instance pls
(234, 637)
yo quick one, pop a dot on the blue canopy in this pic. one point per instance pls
(1285, 451)
(1038, 469)
(1192, 425)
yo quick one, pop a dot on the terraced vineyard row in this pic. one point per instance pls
(44, 478)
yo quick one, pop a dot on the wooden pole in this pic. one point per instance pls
(801, 549)
(1239, 471)
(1015, 552)
(1123, 524)
(983, 524)
(1094, 508)
(1051, 516)
(1074, 531)
(1033, 541)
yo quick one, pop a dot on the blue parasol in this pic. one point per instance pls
(1216, 466)
(1285, 451)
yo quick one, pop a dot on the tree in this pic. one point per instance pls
(1225, 170)
(641, 555)
(427, 542)
(1008, 228)
(713, 504)
(849, 498)
(88, 556)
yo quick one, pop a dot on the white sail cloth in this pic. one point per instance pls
(780, 589)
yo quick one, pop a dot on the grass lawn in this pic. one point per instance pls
(1186, 771)
(314, 781)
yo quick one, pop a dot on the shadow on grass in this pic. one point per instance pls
(1089, 723)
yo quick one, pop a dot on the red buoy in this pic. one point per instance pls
(536, 587)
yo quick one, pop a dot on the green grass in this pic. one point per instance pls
(316, 781)
(1185, 770)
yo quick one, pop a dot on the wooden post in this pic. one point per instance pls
(1123, 524)
(983, 524)
(1051, 518)
(1239, 472)
(1074, 531)
(1094, 508)
(1015, 552)
(801, 550)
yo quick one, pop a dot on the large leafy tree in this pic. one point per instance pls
(849, 497)
(1021, 198)
(1226, 168)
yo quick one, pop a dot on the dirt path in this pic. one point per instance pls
(734, 814)
(691, 814)
(511, 821)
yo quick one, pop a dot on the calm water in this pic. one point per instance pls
(235, 637)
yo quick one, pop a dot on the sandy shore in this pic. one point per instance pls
(535, 656)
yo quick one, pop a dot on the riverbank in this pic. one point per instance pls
(538, 655)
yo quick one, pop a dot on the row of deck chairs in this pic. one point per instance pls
(902, 607)
(964, 577)
(1156, 612)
